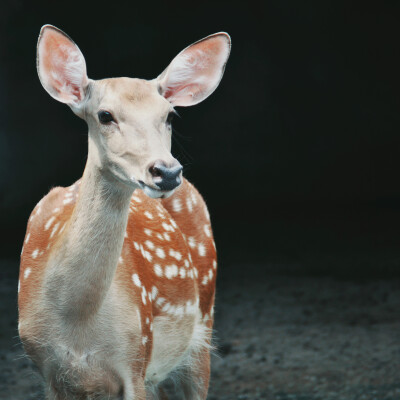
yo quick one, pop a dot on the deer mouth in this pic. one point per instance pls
(155, 193)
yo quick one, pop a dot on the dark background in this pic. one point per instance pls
(296, 153)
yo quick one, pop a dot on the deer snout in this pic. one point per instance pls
(166, 177)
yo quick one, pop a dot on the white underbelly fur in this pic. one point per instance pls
(175, 342)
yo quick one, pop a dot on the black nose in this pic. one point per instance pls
(165, 177)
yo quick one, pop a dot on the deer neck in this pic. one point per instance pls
(86, 261)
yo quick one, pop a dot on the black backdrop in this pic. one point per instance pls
(296, 153)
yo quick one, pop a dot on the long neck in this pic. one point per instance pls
(86, 260)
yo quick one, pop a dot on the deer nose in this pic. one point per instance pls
(164, 176)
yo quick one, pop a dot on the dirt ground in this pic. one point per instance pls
(279, 336)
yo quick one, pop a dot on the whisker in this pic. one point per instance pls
(188, 159)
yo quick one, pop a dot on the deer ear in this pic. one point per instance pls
(61, 66)
(196, 71)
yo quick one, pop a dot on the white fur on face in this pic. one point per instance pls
(156, 194)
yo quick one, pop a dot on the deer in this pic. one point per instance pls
(117, 274)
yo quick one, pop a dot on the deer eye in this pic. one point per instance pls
(105, 117)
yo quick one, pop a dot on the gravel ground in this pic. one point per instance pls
(279, 337)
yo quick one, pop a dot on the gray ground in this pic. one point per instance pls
(280, 337)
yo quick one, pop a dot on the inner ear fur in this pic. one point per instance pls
(196, 71)
(61, 66)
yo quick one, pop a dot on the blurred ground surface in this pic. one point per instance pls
(280, 336)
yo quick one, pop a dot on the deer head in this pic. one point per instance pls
(129, 119)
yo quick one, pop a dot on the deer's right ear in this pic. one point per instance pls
(61, 66)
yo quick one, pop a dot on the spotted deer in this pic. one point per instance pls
(117, 276)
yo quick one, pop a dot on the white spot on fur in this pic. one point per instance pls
(160, 252)
(210, 274)
(158, 270)
(67, 201)
(27, 272)
(148, 232)
(149, 244)
(167, 227)
(144, 295)
(137, 199)
(205, 280)
(171, 271)
(182, 272)
(136, 280)
(189, 204)
(54, 229)
(27, 238)
(49, 222)
(160, 236)
(194, 198)
(191, 242)
(186, 263)
(196, 272)
(160, 301)
(166, 236)
(215, 264)
(206, 213)
(202, 250)
(175, 254)
(207, 230)
(62, 229)
(144, 340)
(137, 247)
(176, 204)
(148, 215)
(35, 253)
(147, 320)
(146, 254)
(154, 292)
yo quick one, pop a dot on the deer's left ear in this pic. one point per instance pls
(196, 71)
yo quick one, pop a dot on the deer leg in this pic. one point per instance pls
(196, 377)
